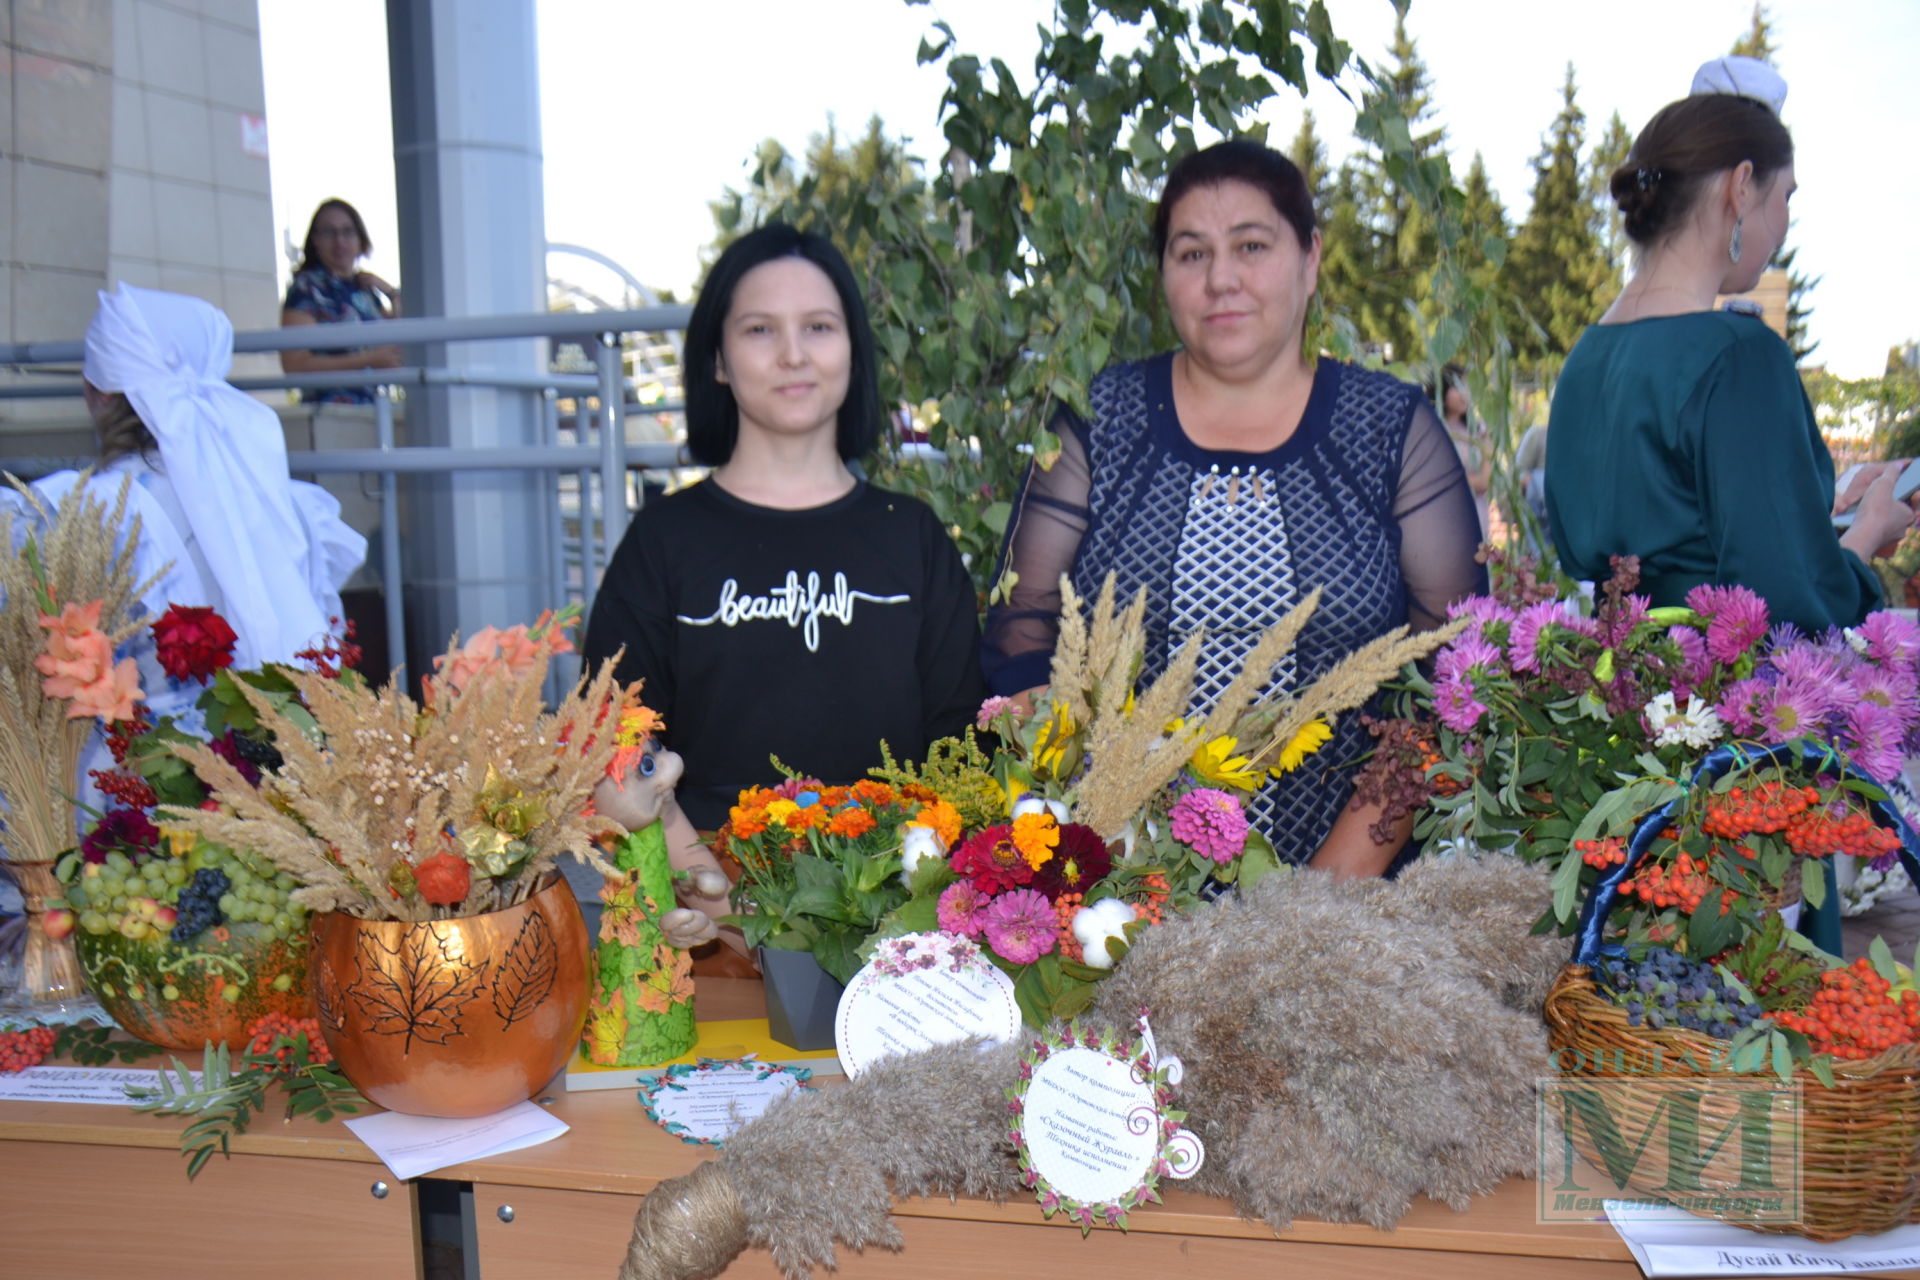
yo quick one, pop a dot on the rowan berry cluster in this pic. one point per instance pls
(1600, 854)
(22, 1049)
(1818, 832)
(1683, 883)
(274, 1035)
(1855, 1015)
(1064, 908)
(1762, 809)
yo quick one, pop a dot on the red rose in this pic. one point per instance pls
(194, 642)
(443, 879)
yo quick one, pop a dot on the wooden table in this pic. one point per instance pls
(97, 1191)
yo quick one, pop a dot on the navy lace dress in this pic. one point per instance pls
(1366, 500)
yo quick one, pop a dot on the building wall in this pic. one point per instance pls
(132, 147)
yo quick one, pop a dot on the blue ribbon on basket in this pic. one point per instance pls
(1589, 946)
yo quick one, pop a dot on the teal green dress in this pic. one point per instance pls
(1688, 441)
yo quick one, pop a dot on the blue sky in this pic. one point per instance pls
(651, 107)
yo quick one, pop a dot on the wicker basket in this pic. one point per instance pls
(1859, 1141)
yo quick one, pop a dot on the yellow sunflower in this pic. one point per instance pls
(1216, 765)
(1312, 736)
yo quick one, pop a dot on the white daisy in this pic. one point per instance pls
(1697, 725)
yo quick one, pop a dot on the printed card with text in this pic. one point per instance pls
(918, 991)
(704, 1102)
(1094, 1123)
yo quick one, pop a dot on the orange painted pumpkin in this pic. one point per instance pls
(181, 996)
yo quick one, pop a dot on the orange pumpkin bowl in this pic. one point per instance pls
(183, 995)
(459, 1017)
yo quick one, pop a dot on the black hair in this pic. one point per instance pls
(1239, 160)
(1686, 143)
(713, 419)
(311, 259)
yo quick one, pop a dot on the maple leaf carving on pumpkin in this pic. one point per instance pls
(417, 988)
(326, 999)
(528, 972)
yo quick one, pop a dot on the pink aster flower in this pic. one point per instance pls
(1454, 703)
(1209, 822)
(1695, 665)
(1488, 614)
(1523, 642)
(1621, 622)
(1020, 926)
(1875, 746)
(794, 788)
(1891, 639)
(1890, 687)
(1797, 708)
(1743, 705)
(1471, 652)
(1807, 665)
(960, 909)
(1736, 619)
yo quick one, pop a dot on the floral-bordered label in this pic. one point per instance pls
(918, 991)
(704, 1102)
(1092, 1118)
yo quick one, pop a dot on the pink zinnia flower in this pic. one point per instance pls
(992, 861)
(1020, 926)
(1736, 619)
(1454, 703)
(1891, 639)
(1523, 642)
(1209, 822)
(1874, 747)
(991, 710)
(960, 909)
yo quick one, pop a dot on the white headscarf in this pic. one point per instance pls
(1743, 78)
(224, 455)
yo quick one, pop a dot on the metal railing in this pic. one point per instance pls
(609, 458)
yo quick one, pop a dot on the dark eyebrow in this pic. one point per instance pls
(1236, 229)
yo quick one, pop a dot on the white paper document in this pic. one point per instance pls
(100, 1085)
(415, 1145)
(1705, 1248)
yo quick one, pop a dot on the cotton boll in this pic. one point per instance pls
(1031, 803)
(1092, 926)
(920, 843)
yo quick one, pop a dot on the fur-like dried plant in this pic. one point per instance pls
(481, 771)
(84, 550)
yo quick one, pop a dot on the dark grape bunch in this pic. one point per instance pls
(199, 903)
(262, 755)
(1667, 990)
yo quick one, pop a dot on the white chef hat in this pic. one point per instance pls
(1743, 78)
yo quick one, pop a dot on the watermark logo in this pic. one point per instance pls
(1666, 1149)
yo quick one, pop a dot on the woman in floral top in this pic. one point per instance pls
(329, 289)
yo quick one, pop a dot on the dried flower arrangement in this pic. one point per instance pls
(391, 809)
(66, 576)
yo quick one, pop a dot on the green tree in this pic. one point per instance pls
(1607, 155)
(1399, 240)
(1346, 254)
(1485, 235)
(1758, 43)
(871, 166)
(1558, 269)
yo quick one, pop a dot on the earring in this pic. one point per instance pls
(1733, 243)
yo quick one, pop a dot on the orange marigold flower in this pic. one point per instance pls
(1036, 835)
(799, 819)
(747, 823)
(919, 792)
(870, 792)
(852, 822)
(835, 797)
(942, 819)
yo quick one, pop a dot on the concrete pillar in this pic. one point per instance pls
(468, 169)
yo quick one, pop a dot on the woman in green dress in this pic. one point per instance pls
(1681, 434)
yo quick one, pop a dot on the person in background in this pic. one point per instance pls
(1231, 477)
(1682, 434)
(1468, 436)
(330, 288)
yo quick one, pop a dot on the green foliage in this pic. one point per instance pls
(223, 1099)
(1558, 267)
(1609, 227)
(97, 1046)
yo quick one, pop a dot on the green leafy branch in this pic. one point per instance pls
(96, 1047)
(223, 1100)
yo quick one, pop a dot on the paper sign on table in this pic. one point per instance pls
(918, 991)
(1702, 1247)
(416, 1145)
(1095, 1126)
(705, 1102)
(100, 1085)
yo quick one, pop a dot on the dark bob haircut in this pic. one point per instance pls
(311, 259)
(713, 419)
(1253, 163)
(1683, 146)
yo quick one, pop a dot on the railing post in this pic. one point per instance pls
(393, 590)
(613, 446)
